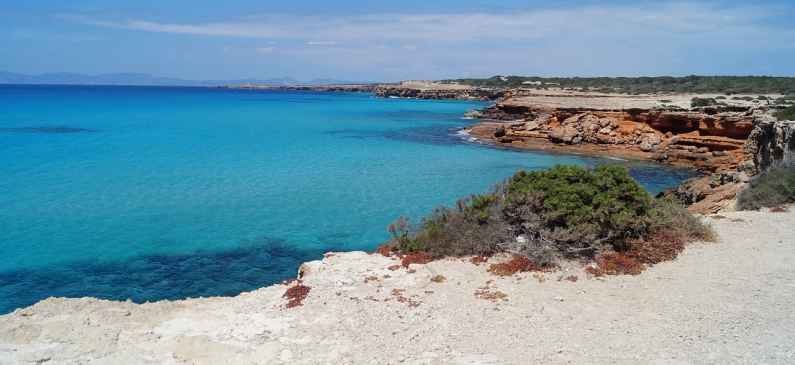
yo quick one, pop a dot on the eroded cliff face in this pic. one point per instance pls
(708, 139)
(770, 144)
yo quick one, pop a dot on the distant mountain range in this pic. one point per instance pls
(140, 79)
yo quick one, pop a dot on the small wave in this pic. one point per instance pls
(464, 134)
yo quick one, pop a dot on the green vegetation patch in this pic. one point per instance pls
(772, 189)
(563, 212)
(702, 102)
(786, 113)
(647, 85)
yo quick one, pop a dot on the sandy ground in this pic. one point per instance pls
(718, 303)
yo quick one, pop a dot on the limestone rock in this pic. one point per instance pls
(565, 134)
(649, 142)
(771, 143)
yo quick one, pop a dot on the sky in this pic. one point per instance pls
(397, 40)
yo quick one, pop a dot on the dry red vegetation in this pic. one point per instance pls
(484, 293)
(661, 246)
(384, 250)
(409, 301)
(296, 294)
(572, 278)
(393, 267)
(477, 260)
(517, 264)
(778, 210)
(416, 258)
(615, 263)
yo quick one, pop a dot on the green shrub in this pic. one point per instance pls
(671, 217)
(401, 236)
(565, 211)
(661, 84)
(773, 188)
(786, 114)
(604, 205)
(702, 102)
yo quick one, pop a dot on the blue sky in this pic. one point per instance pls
(393, 40)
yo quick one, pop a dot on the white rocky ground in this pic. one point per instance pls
(720, 303)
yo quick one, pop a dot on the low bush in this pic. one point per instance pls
(785, 100)
(415, 258)
(671, 218)
(786, 113)
(564, 212)
(616, 263)
(517, 264)
(296, 294)
(773, 188)
(702, 102)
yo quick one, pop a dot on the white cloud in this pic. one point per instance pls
(265, 50)
(650, 39)
(681, 18)
(321, 43)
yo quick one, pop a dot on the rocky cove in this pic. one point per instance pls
(730, 143)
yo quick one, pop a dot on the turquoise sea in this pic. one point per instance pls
(153, 193)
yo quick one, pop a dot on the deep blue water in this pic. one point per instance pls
(153, 193)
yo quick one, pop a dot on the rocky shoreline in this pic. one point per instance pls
(730, 143)
(726, 302)
(407, 89)
(354, 88)
(730, 140)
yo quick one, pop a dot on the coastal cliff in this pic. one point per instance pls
(729, 142)
(772, 144)
(711, 139)
(363, 309)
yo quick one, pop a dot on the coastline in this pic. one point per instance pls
(483, 132)
(488, 313)
(358, 307)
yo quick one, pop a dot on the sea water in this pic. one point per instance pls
(163, 193)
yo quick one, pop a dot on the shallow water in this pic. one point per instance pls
(153, 193)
